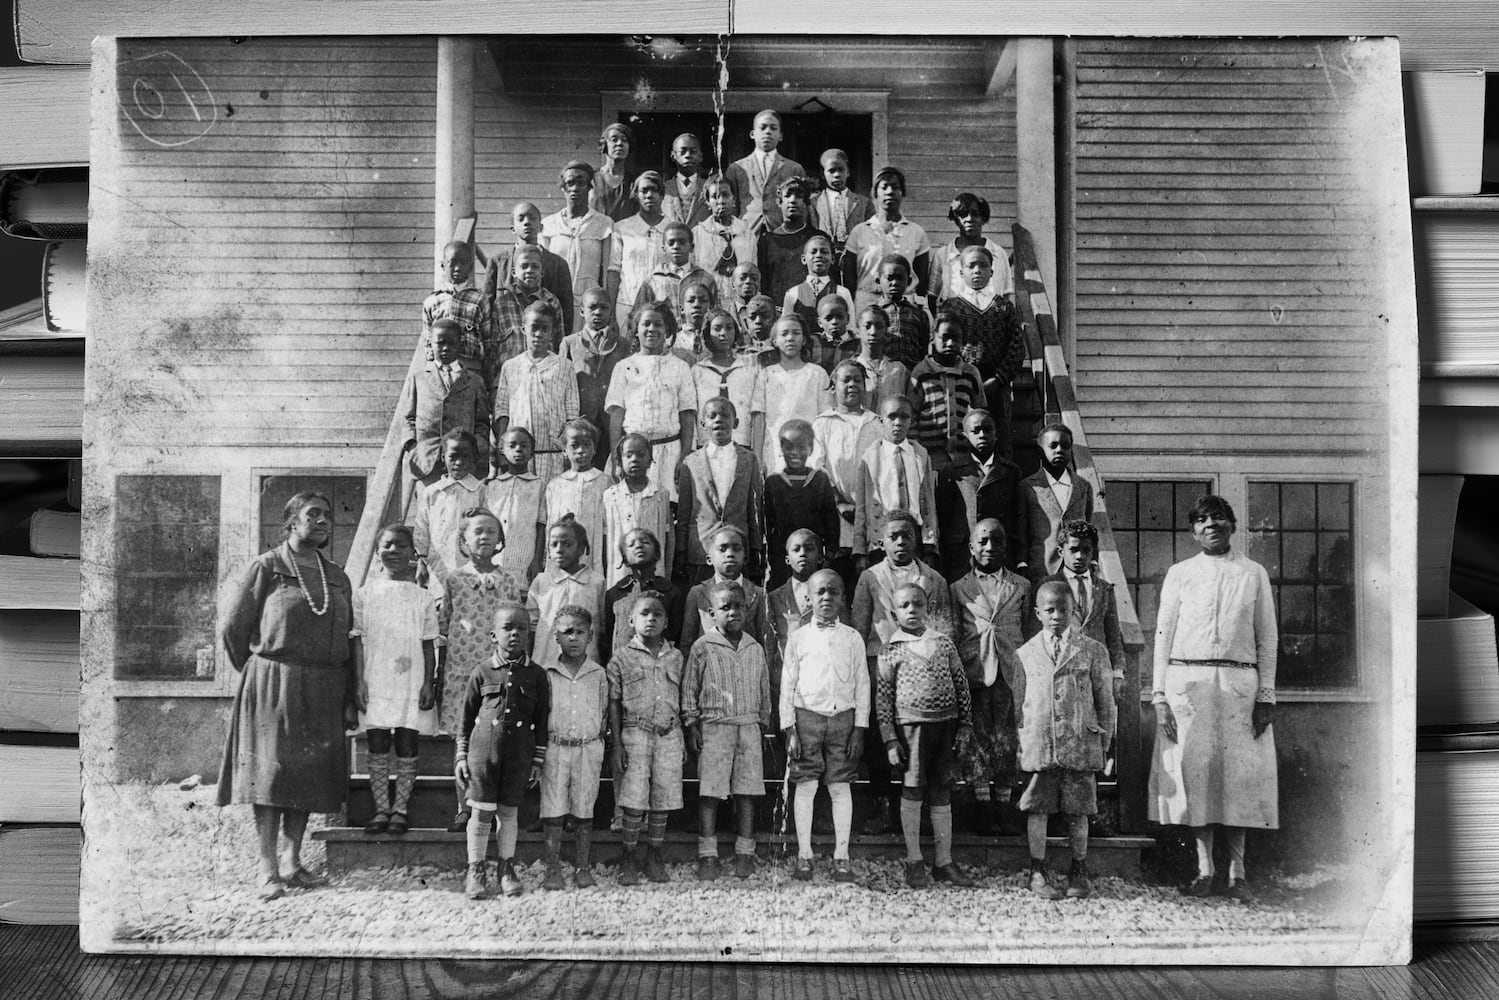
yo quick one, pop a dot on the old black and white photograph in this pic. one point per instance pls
(772, 498)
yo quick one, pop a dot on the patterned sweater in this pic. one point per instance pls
(920, 680)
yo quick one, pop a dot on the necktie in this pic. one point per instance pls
(902, 488)
(1056, 648)
(838, 222)
(1082, 597)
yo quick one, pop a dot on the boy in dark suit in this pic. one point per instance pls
(757, 177)
(1052, 494)
(979, 484)
(718, 484)
(838, 208)
(445, 396)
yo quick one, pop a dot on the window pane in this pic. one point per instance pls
(1334, 506)
(1334, 610)
(1264, 505)
(1298, 609)
(1122, 504)
(1128, 543)
(1156, 556)
(1335, 557)
(1298, 505)
(1298, 555)
(166, 552)
(1156, 508)
(1264, 548)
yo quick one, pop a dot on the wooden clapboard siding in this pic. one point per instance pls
(541, 108)
(266, 277)
(1225, 259)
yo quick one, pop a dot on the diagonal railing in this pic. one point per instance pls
(1059, 401)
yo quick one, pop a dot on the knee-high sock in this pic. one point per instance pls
(1035, 834)
(505, 836)
(942, 833)
(380, 782)
(655, 832)
(582, 841)
(1204, 837)
(552, 832)
(477, 834)
(630, 827)
(1235, 851)
(405, 782)
(910, 825)
(843, 817)
(1077, 831)
(806, 792)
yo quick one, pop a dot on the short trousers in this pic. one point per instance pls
(732, 761)
(653, 775)
(570, 780)
(930, 761)
(1060, 790)
(500, 780)
(824, 748)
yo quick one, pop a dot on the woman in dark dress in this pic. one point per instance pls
(285, 624)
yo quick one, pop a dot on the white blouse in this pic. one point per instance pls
(1218, 608)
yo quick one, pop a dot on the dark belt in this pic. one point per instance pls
(1214, 663)
(665, 730)
(667, 440)
(568, 741)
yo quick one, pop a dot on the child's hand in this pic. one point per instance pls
(855, 748)
(351, 716)
(1118, 690)
(895, 754)
(535, 778)
(962, 741)
(460, 770)
(1259, 719)
(1165, 721)
(427, 699)
(618, 762)
(694, 739)
(793, 743)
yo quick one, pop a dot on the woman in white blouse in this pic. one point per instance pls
(1214, 691)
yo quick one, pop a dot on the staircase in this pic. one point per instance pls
(1043, 392)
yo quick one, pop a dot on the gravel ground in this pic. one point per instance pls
(168, 870)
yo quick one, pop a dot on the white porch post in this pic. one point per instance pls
(454, 162)
(1035, 152)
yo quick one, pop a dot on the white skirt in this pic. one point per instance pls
(1216, 771)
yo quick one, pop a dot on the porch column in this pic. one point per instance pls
(454, 162)
(1035, 154)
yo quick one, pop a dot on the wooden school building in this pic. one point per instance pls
(1209, 266)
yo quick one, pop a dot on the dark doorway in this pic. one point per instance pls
(804, 136)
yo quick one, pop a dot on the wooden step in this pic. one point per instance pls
(350, 849)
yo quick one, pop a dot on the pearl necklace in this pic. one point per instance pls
(322, 578)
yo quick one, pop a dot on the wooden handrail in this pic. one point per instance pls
(386, 500)
(1059, 398)
(385, 487)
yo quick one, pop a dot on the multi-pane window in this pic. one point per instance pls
(345, 492)
(1150, 528)
(166, 575)
(1302, 533)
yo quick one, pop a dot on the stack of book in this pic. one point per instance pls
(1456, 231)
(43, 200)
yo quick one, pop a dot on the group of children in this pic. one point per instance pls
(597, 509)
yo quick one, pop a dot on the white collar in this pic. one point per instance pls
(718, 450)
(1065, 479)
(980, 298)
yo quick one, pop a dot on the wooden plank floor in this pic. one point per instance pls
(43, 963)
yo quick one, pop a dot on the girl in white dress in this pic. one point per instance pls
(1216, 647)
(395, 630)
(792, 388)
